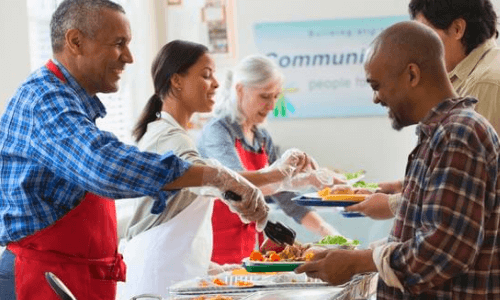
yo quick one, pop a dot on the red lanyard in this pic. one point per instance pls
(55, 70)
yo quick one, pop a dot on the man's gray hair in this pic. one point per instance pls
(77, 14)
(252, 72)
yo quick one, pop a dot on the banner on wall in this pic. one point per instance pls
(323, 65)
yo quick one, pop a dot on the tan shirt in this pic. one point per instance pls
(478, 75)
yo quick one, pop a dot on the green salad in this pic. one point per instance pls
(337, 240)
(349, 176)
(362, 184)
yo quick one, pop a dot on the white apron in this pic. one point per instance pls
(177, 250)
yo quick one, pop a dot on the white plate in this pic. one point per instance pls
(334, 246)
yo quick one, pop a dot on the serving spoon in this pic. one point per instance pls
(59, 287)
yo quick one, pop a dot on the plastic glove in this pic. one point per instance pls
(317, 179)
(293, 161)
(252, 206)
(309, 181)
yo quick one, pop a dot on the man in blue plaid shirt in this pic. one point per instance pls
(445, 240)
(59, 172)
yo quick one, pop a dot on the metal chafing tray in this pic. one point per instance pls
(280, 281)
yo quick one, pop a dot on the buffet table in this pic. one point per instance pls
(287, 285)
(363, 229)
(278, 286)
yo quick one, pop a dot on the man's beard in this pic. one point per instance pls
(396, 124)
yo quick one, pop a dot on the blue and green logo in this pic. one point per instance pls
(283, 105)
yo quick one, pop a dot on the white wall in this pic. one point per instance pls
(14, 50)
(149, 33)
(185, 23)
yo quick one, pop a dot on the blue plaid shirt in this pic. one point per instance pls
(51, 153)
(447, 228)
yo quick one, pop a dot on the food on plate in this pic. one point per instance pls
(218, 297)
(243, 283)
(270, 245)
(204, 283)
(296, 252)
(360, 185)
(364, 185)
(309, 256)
(342, 190)
(339, 189)
(274, 257)
(256, 256)
(324, 192)
(337, 240)
(349, 176)
(218, 281)
(244, 272)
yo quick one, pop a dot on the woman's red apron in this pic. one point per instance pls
(234, 240)
(81, 249)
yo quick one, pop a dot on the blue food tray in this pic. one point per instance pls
(308, 201)
(348, 214)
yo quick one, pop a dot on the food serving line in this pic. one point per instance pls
(267, 273)
(266, 278)
(271, 286)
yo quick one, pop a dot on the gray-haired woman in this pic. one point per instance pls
(236, 139)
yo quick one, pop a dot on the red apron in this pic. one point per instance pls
(81, 249)
(234, 240)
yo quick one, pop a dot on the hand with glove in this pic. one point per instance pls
(294, 168)
(294, 161)
(316, 179)
(251, 207)
(310, 179)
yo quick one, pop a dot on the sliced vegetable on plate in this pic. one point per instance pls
(365, 185)
(354, 175)
(338, 241)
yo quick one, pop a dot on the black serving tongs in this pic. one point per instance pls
(277, 232)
